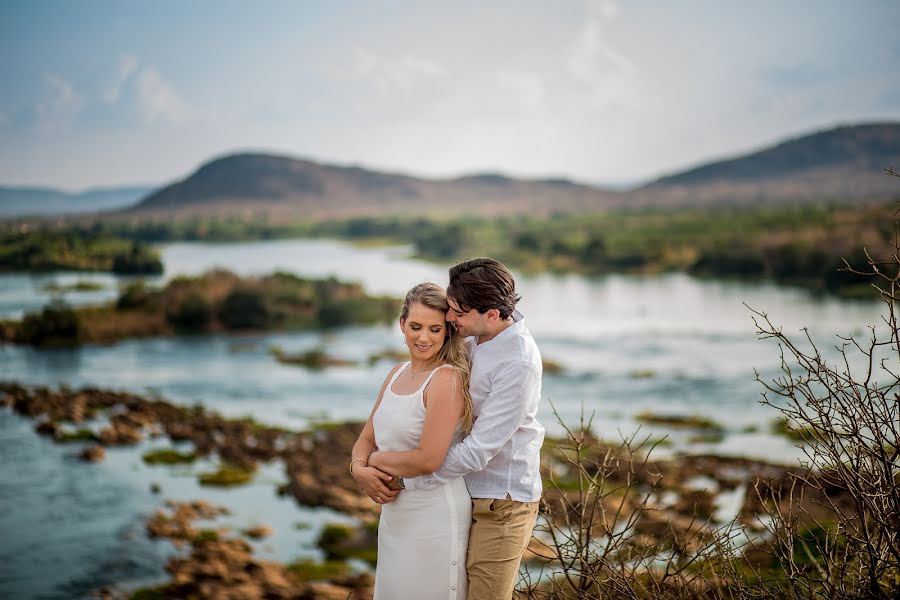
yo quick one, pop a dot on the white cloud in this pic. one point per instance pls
(604, 73)
(60, 107)
(126, 67)
(391, 75)
(157, 99)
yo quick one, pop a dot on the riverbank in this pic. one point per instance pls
(797, 246)
(688, 497)
(43, 249)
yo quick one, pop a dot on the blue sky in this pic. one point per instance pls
(116, 92)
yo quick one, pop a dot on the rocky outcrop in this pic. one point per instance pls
(316, 461)
(220, 567)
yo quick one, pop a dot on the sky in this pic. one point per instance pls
(111, 92)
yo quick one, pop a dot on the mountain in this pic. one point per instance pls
(282, 186)
(37, 201)
(841, 164)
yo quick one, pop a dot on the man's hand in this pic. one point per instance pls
(374, 484)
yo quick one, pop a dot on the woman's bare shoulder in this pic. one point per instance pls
(445, 376)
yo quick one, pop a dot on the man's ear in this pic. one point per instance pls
(493, 314)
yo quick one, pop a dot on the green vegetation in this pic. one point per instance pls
(161, 592)
(168, 456)
(79, 286)
(707, 437)
(191, 314)
(81, 435)
(215, 301)
(206, 535)
(317, 358)
(56, 325)
(226, 476)
(788, 244)
(308, 570)
(46, 249)
(642, 374)
(679, 421)
(340, 542)
(805, 433)
(387, 354)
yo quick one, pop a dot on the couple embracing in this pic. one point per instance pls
(451, 449)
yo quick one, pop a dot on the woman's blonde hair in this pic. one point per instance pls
(454, 351)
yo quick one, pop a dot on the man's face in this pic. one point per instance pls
(471, 323)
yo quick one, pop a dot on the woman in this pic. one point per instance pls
(423, 407)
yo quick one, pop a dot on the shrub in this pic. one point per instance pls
(193, 314)
(135, 295)
(244, 309)
(139, 261)
(56, 325)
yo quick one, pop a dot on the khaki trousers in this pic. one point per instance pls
(499, 535)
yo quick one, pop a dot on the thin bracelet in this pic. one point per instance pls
(362, 460)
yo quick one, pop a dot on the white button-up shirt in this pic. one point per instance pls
(502, 454)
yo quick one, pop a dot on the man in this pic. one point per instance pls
(500, 459)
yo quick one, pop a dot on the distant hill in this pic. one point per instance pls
(37, 201)
(842, 164)
(289, 187)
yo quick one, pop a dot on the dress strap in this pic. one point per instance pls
(397, 374)
(430, 375)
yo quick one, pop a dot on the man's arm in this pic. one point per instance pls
(502, 413)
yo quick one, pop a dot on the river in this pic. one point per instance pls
(665, 343)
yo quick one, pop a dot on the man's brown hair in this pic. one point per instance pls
(483, 284)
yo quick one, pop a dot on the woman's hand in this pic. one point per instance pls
(374, 484)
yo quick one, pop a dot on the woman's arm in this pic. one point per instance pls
(371, 480)
(443, 406)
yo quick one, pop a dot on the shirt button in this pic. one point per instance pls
(454, 562)
(452, 587)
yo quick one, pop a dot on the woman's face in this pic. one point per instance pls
(425, 330)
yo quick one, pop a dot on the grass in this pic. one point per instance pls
(81, 435)
(707, 437)
(317, 358)
(308, 570)
(336, 540)
(168, 456)
(642, 374)
(226, 476)
(679, 421)
(78, 286)
(155, 593)
(804, 433)
(206, 535)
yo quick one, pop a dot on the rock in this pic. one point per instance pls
(258, 532)
(118, 434)
(155, 488)
(77, 408)
(93, 453)
(47, 428)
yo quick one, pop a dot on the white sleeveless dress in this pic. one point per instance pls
(423, 534)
